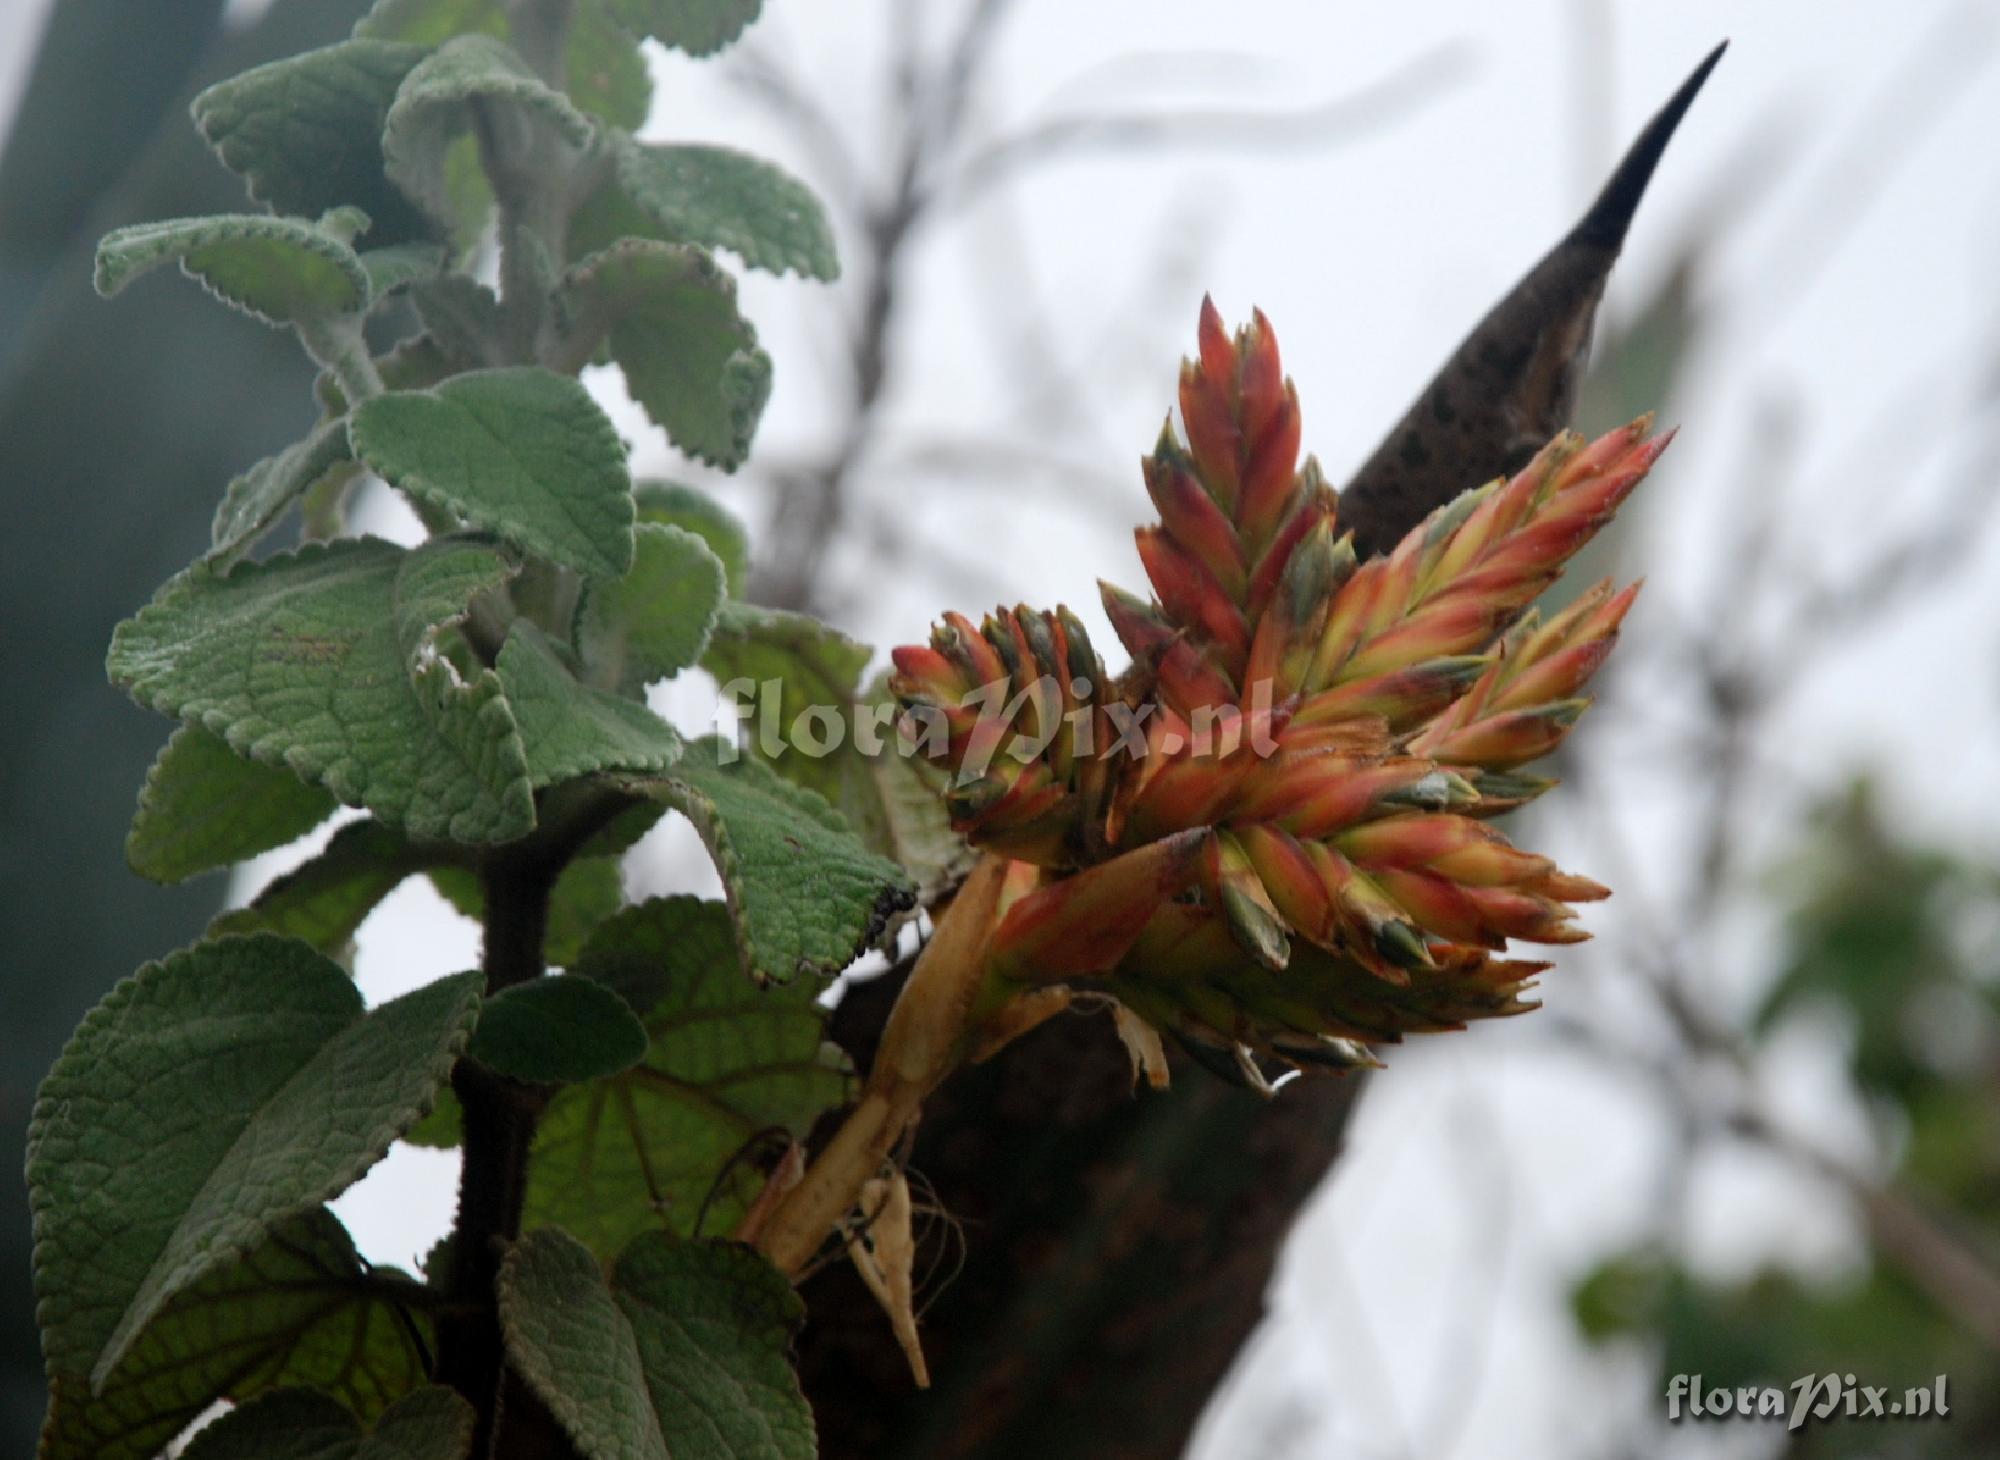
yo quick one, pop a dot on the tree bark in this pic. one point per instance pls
(1117, 1249)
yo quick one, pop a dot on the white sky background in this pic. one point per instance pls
(1419, 1312)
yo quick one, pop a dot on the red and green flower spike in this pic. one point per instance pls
(1292, 853)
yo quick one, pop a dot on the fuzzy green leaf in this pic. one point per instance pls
(305, 133)
(788, 665)
(714, 1322)
(558, 1030)
(652, 623)
(687, 1352)
(294, 661)
(805, 895)
(205, 806)
(302, 1309)
(781, 666)
(726, 1061)
(699, 27)
(571, 729)
(523, 452)
(209, 1098)
(721, 198)
(432, 1423)
(606, 71)
(566, 1336)
(463, 318)
(256, 500)
(434, 112)
(327, 899)
(278, 270)
(689, 358)
(400, 267)
(671, 504)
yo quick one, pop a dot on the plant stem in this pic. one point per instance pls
(499, 1125)
(925, 1040)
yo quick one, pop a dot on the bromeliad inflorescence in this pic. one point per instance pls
(1270, 835)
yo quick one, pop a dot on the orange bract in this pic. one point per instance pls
(1270, 831)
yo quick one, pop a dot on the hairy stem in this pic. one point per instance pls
(499, 1124)
(925, 1040)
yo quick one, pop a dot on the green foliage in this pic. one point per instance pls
(303, 1424)
(656, 1145)
(162, 1126)
(482, 696)
(714, 196)
(805, 896)
(655, 621)
(889, 800)
(669, 504)
(278, 270)
(556, 1030)
(574, 729)
(253, 503)
(295, 662)
(325, 900)
(204, 806)
(305, 133)
(469, 81)
(669, 314)
(301, 1309)
(699, 27)
(589, 891)
(682, 1353)
(523, 452)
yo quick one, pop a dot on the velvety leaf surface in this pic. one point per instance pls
(726, 1060)
(607, 75)
(210, 1098)
(654, 622)
(433, 110)
(293, 660)
(301, 1309)
(255, 501)
(399, 267)
(805, 895)
(714, 1324)
(305, 133)
(325, 900)
(462, 317)
(785, 665)
(522, 451)
(672, 504)
(566, 1336)
(572, 729)
(278, 270)
(689, 358)
(205, 806)
(558, 1030)
(722, 198)
(684, 1356)
(699, 27)
(432, 1423)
